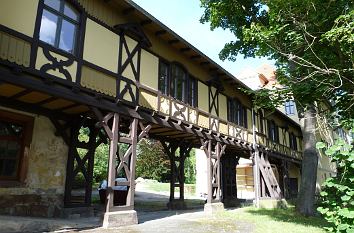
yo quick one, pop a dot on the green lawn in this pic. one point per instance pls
(274, 220)
(165, 187)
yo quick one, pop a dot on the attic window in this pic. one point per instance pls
(290, 107)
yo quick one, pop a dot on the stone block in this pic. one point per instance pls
(212, 208)
(120, 218)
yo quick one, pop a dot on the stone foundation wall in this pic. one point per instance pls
(42, 192)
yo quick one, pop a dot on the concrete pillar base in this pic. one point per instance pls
(212, 208)
(176, 205)
(120, 218)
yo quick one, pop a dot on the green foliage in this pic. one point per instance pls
(310, 40)
(100, 168)
(337, 197)
(152, 162)
(190, 168)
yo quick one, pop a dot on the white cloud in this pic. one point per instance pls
(48, 29)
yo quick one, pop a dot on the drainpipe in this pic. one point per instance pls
(256, 175)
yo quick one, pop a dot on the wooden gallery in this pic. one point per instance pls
(110, 67)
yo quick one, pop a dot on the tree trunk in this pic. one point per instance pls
(306, 197)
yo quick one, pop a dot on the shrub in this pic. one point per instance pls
(336, 202)
(152, 162)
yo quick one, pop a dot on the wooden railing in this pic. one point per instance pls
(263, 140)
(169, 106)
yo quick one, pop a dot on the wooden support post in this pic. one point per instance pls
(113, 146)
(121, 214)
(213, 154)
(209, 173)
(80, 162)
(285, 176)
(256, 174)
(177, 170)
(213, 169)
(131, 180)
(228, 181)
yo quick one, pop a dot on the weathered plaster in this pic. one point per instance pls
(41, 194)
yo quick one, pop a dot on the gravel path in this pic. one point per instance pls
(190, 222)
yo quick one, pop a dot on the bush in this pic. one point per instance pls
(336, 202)
(152, 162)
(190, 168)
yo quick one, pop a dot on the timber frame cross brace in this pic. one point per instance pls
(177, 168)
(120, 164)
(79, 162)
(213, 153)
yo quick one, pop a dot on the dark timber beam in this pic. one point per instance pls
(186, 49)
(160, 32)
(106, 104)
(33, 108)
(173, 41)
(177, 169)
(20, 94)
(213, 69)
(145, 22)
(128, 10)
(204, 63)
(195, 57)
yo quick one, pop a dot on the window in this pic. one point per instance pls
(175, 81)
(290, 107)
(273, 131)
(14, 136)
(261, 119)
(59, 25)
(179, 82)
(193, 92)
(237, 113)
(164, 78)
(292, 141)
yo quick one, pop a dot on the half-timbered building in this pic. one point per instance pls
(112, 68)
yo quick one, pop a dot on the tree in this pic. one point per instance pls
(312, 42)
(152, 162)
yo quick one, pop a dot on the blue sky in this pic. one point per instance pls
(182, 16)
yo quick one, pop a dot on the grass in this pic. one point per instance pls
(165, 187)
(275, 220)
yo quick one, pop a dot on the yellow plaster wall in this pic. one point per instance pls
(148, 100)
(203, 97)
(42, 60)
(128, 71)
(19, 15)
(294, 172)
(101, 46)
(14, 49)
(223, 107)
(165, 50)
(98, 81)
(104, 11)
(249, 119)
(213, 92)
(149, 69)
(47, 158)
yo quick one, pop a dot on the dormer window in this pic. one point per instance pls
(59, 25)
(290, 107)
